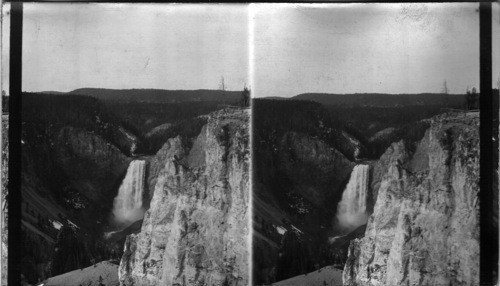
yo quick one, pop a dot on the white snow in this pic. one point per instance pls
(281, 230)
(72, 224)
(296, 230)
(327, 276)
(91, 275)
(57, 225)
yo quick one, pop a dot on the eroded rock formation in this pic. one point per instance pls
(195, 231)
(425, 226)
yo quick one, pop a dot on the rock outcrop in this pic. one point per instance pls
(297, 184)
(314, 168)
(425, 226)
(3, 212)
(68, 173)
(94, 164)
(195, 231)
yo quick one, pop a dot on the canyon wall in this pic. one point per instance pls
(195, 231)
(425, 226)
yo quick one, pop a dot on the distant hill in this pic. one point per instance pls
(275, 97)
(52, 92)
(385, 100)
(160, 95)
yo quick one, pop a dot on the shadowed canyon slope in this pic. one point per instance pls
(425, 226)
(195, 231)
(302, 160)
(73, 156)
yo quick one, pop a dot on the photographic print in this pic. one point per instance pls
(319, 144)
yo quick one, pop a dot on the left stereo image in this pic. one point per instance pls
(144, 180)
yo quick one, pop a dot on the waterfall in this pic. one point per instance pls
(127, 206)
(351, 210)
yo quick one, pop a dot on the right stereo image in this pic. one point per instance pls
(366, 140)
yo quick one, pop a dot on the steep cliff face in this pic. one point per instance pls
(297, 185)
(195, 231)
(425, 226)
(91, 162)
(315, 168)
(3, 212)
(80, 168)
(67, 173)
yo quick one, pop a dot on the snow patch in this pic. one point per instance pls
(296, 230)
(56, 224)
(73, 225)
(281, 230)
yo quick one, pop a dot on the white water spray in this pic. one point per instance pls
(351, 210)
(127, 206)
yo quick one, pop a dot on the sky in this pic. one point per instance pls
(277, 49)
(70, 46)
(358, 48)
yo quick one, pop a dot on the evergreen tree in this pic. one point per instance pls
(69, 253)
(245, 97)
(472, 99)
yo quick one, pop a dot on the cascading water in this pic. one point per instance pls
(127, 206)
(351, 210)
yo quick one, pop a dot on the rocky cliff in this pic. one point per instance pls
(3, 212)
(315, 168)
(94, 164)
(67, 174)
(297, 184)
(195, 231)
(425, 226)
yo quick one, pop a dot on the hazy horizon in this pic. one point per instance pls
(279, 50)
(352, 48)
(67, 46)
(134, 88)
(227, 90)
